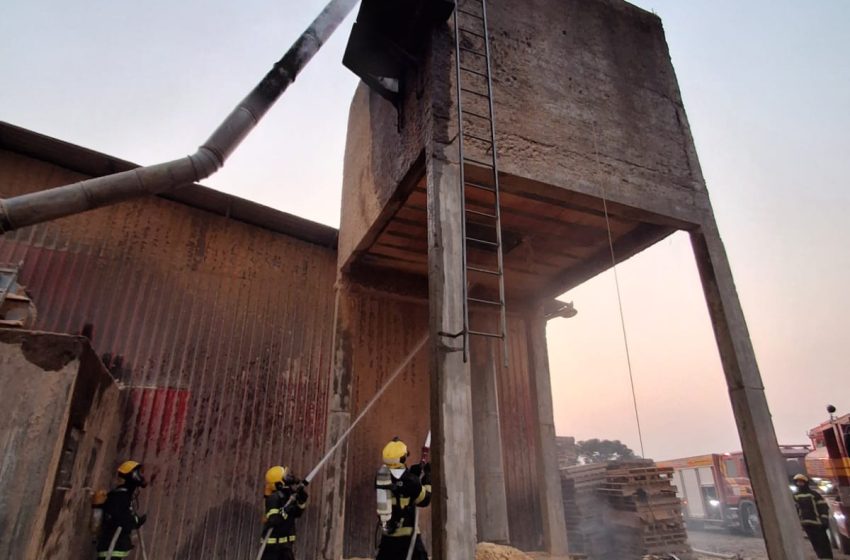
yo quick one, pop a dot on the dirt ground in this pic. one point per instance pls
(748, 548)
(489, 551)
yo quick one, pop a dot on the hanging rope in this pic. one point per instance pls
(617, 284)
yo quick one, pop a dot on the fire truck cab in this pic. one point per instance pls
(828, 467)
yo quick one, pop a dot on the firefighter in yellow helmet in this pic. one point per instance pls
(400, 490)
(814, 515)
(119, 517)
(285, 501)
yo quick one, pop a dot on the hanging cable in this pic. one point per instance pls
(617, 284)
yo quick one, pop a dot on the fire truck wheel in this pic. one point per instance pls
(750, 522)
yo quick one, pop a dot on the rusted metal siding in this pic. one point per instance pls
(385, 331)
(223, 332)
(519, 426)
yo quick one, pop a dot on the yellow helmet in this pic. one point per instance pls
(274, 476)
(131, 473)
(395, 453)
(127, 467)
(801, 478)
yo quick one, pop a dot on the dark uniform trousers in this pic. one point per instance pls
(278, 552)
(395, 548)
(819, 539)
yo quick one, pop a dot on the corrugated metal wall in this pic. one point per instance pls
(519, 425)
(386, 329)
(222, 329)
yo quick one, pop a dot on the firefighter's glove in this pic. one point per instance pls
(301, 494)
(416, 470)
(426, 476)
(140, 519)
(391, 527)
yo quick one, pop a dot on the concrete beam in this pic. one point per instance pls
(758, 439)
(551, 503)
(454, 526)
(490, 492)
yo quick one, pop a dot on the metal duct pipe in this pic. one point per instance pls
(33, 208)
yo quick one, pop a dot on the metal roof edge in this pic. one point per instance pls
(90, 162)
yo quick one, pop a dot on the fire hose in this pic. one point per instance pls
(401, 367)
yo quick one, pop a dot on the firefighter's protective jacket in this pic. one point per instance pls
(811, 507)
(408, 493)
(118, 512)
(280, 516)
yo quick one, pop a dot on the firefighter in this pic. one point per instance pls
(814, 515)
(118, 513)
(285, 501)
(400, 491)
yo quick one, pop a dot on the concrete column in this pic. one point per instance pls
(453, 462)
(490, 493)
(332, 522)
(454, 526)
(551, 503)
(765, 464)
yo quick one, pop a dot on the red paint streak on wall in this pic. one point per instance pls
(169, 404)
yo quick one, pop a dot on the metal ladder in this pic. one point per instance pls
(479, 170)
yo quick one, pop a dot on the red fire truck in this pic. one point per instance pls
(715, 489)
(828, 467)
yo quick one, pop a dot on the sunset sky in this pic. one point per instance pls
(766, 85)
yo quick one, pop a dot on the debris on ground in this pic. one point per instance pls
(490, 551)
(544, 556)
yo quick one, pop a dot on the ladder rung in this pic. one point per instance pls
(481, 186)
(465, 112)
(485, 214)
(485, 301)
(479, 138)
(472, 51)
(482, 241)
(471, 32)
(471, 14)
(478, 162)
(471, 71)
(491, 335)
(473, 92)
(484, 270)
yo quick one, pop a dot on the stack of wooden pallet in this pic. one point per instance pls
(623, 510)
(644, 516)
(583, 510)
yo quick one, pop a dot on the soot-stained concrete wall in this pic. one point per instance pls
(378, 157)
(573, 77)
(585, 98)
(58, 435)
